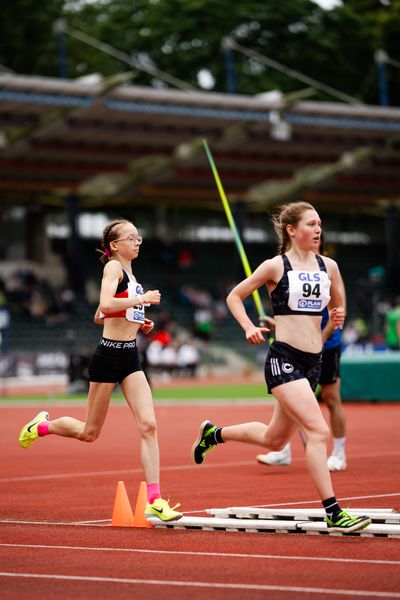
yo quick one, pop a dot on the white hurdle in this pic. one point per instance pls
(385, 522)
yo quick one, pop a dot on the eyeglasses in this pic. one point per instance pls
(131, 239)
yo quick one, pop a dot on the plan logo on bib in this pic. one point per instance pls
(309, 304)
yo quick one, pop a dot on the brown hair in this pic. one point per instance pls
(289, 214)
(110, 233)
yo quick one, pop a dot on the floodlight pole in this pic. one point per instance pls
(76, 271)
(58, 30)
(381, 58)
(226, 47)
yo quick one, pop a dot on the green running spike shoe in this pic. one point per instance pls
(205, 442)
(29, 433)
(161, 509)
(346, 523)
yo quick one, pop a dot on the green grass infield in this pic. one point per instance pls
(250, 391)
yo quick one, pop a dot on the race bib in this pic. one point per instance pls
(309, 291)
(136, 313)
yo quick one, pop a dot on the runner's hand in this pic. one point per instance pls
(254, 335)
(147, 326)
(337, 316)
(151, 297)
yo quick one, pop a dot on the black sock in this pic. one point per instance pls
(332, 508)
(218, 436)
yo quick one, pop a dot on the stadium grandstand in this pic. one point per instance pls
(74, 154)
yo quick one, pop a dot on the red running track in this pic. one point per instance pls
(64, 481)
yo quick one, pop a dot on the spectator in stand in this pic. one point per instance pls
(185, 258)
(5, 319)
(168, 359)
(203, 323)
(355, 334)
(153, 354)
(392, 326)
(188, 358)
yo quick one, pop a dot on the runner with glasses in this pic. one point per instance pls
(115, 360)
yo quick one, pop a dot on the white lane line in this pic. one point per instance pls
(206, 554)
(206, 584)
(189, 467)
(301, 502)
(100, 523)
(388, 495)
(185, 467)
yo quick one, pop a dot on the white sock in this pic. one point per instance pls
(286, 450)
(338, 446)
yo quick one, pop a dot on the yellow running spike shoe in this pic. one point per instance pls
(161, 509)
(29, 433)
(346, 523)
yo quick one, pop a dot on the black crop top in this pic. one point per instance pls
(301, 292)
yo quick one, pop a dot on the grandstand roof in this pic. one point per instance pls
(128, 145)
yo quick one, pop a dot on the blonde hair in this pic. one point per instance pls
(289, 214)
(110, 233)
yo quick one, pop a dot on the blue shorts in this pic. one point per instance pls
(113, 360)
(285, 363)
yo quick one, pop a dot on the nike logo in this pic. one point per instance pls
(32, 425)
(159, 510)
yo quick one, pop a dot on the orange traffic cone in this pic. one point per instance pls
(122, 513)
(139, 519)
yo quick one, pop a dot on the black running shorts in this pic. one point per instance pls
(330, 370)
(114, 360)
(285, 363)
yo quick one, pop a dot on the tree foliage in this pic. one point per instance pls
(27, 42)
(183, 38)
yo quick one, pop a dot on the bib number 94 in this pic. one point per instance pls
(309, 290)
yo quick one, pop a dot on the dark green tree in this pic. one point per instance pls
(382, 20)
(183, 38)
(27, 41)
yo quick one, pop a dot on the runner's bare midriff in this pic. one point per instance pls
(118, 328)
(299, 331)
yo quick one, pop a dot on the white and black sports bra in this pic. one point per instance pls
(301, 292)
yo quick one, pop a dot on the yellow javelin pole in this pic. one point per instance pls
(232, 225)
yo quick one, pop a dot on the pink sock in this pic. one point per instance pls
(43, 428)
(153, 492)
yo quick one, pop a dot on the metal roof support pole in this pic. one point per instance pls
(76, 271)
(240, 215)
(58, 30)
(36, 240)
(393, 247)
(381, 58)
(229, 65)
